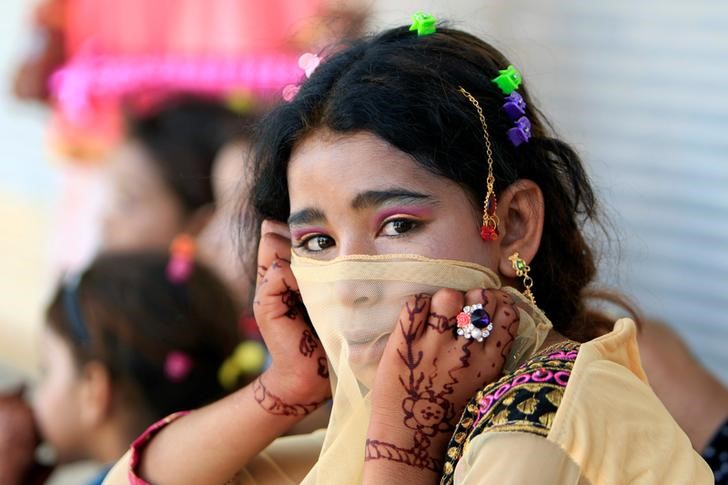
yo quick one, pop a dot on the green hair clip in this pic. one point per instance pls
(508, 79)
(423, 23)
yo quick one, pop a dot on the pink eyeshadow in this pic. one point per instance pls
(298, 234)
(405, 211)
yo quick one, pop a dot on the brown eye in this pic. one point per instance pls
(398, 226)
(318, 243)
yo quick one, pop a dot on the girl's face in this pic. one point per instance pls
(57, 398)
(143, 212)
(356, 194)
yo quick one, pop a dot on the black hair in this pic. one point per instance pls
(183, 137)
(404, 89)
(133, 317)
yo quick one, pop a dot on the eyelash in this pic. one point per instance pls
(415, 225)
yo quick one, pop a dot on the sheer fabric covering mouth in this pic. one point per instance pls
(354, 303)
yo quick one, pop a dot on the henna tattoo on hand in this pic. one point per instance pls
(511, 338)
(427, 412)
(441, 323)
(262, 269)
(291, 299)
(430, 410)
(379, 450)
(308, 344)
(275, 405)
(323, 367)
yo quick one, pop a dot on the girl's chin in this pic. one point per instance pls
(364, 359)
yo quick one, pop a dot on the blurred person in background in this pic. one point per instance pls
(127, 342)
(217, 244)
(160, 175)
(170, 177)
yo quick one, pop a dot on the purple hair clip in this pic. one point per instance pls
(521, 132)
(515, 106)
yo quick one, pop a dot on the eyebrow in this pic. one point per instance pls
(306, 216)
(374, 198)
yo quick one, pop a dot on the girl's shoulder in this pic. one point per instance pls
(525, 400)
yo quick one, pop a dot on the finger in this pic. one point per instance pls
(410, 326)
(281, 316)
(441, 339)
(277, 294)
(506, 319)
(444, 308)
(275, 243)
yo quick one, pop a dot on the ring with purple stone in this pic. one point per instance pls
(474, 323)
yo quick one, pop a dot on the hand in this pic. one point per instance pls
(298, 379)
(427, 375)
(18, 438)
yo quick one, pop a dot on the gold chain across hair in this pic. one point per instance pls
(489, 231)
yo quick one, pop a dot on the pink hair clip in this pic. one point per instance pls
(177, 366)
(290, 92)
(309, 62)
(181, 259)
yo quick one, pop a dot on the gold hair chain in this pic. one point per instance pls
(489, 232)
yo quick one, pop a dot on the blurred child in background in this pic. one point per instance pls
(127, 342)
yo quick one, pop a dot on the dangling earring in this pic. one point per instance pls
(489, 231)
(522, 269)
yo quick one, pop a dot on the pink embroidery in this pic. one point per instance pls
(561, 355)
(562, 377)
(522, 379)
(541, 375)
(502, 390)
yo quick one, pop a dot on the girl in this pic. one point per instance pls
(409, 173)
(125, 346)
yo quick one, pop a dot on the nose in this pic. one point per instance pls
(356, 245)
(358, 293)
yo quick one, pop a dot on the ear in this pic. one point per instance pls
(521, 214)
(96, 394)
(198, 220)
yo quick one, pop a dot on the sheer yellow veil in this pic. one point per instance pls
(354, 302)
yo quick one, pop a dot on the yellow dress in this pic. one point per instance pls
(605, 427)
